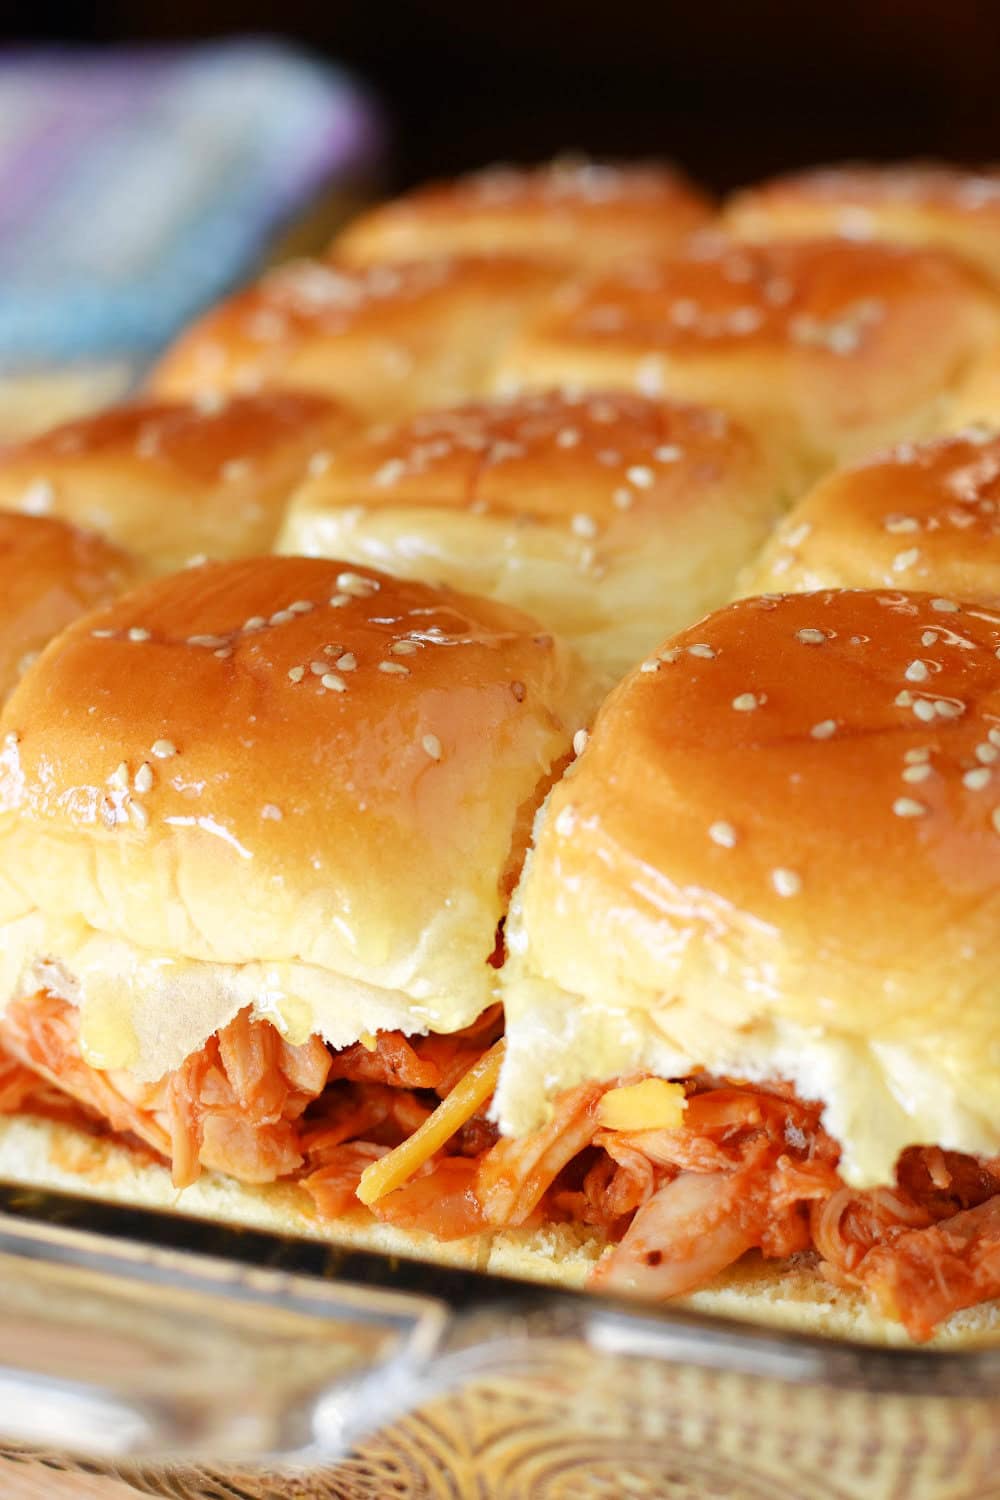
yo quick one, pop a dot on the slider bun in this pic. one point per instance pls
(50, 573)
(192, 819)
(576, 212)
(920, 516)
(388, 340)
(171, 480)
(826, 348)
(915, 203)
(750, 871)
(51, 1155)
(611, 518)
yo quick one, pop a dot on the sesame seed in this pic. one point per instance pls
(944, 606)
(924, 710)
(333, 682)
(137, 633)
(901, 523)
(917, 671)
(319, 668)
(567, 438)
(583, 525)
(580, 741)
(929, 638)
(917, 756)
(667, 453)
(163, 749)
(905, 807)
(919, 772)
(235, 469)
(403, 648)
(119, 777)
(38, 499)
(102, 635)
(811, 637)
(347, 662)
(281, 617)
(138, 815)
(947, 710)
(356, 585)
(744, 703)
(670, 654)
(339, 600)
(210, 642)
(301, 607)
(564, 822)
(824, 729)
(797, 537)
(649, 666)
(272, 813)
(701, 649)
(993, 735)
(723, 834)
(143, 781)
(641, 476)
(389, 473)
(977, 778)
(986, 753)
(995, 818)
(223, 653)
(395, 667)
(622, 498)
(255, 622)
(432, 746)
(786, 882)
(296, 674)
(903, 699)
(318, 464)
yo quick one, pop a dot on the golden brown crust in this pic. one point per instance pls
(386, 339)
(827, 348)
(171, 480)
(779, 856)
(576, 212)
(277, 774)
(917, 203)
(50, 573)
(920, 516)
(612, 517)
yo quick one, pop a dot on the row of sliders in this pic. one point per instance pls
(336, 889)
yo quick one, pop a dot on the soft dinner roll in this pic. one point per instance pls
(173, 480)
(611, 517)
(49, 574)
(920, 516)
(576, 212)
(277, 783)
(827, 348)
(386, 339)
(915, 203)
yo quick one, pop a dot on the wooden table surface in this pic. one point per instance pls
(36, 1482)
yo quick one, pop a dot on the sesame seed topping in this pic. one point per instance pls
(403, 648)
(301, 607)
(703, 650)
(335, 683)
(318, 464)
(797, 537)
(641, 476)
(986, 753)
(567, 438)
(723, 834)
(319, 668)
(210, 642)
(897, 524)
(995, 818)
(255, 622)
(356, 585)
(138, 815)
(923, 709)
(102, 635)
(580, 741)
(904, 560)
(649, 666)
(917, 671)
(137, 633)
(347, 662)
(38, 499)
(338, 601)
(811, 637)
(903, 699)
(143, 781)
(235, 469)
(272, 813)
(786, 882)
(622, 498)
(824, 729)
(667, 453)
(296, 674)
(977, 778)
(993, 735)
(281, 617)
(163, 749)
(744, 703)
(432, 746)
(944, 606)
(917, 756)
(119, 777)
(919, 772)
(906, 807)
(929, 638)
(583, 525)
(564, 822)
(389, 473)
(395, 667)
(671, 654)
(948, 710)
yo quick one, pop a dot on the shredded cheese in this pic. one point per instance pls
(652, 1104)
(468, 1095)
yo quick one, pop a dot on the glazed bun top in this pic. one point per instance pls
(919, 516)
(779, 857)
(920, 203)
(575, 211)
(50, 573)
(279, 777)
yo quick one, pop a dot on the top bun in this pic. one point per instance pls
(921, 516)
(169, 480)
(50, 573)
(916, 203)
(385, 339)
(279, 783)
(573, 211)
(778, 857)
(611, 517)
(827, 348)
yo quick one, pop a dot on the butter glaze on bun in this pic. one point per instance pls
(50, 574)
(386, 339)
(173, 480)
(280, 783)
(575, 212)
(778, 858)
(920, 516)
(827, 349)
(915, 203)
(610, 517)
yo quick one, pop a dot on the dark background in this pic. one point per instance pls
(734, 90)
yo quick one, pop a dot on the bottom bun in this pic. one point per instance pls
(788, 1295)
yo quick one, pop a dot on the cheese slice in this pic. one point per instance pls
(652, 1104)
